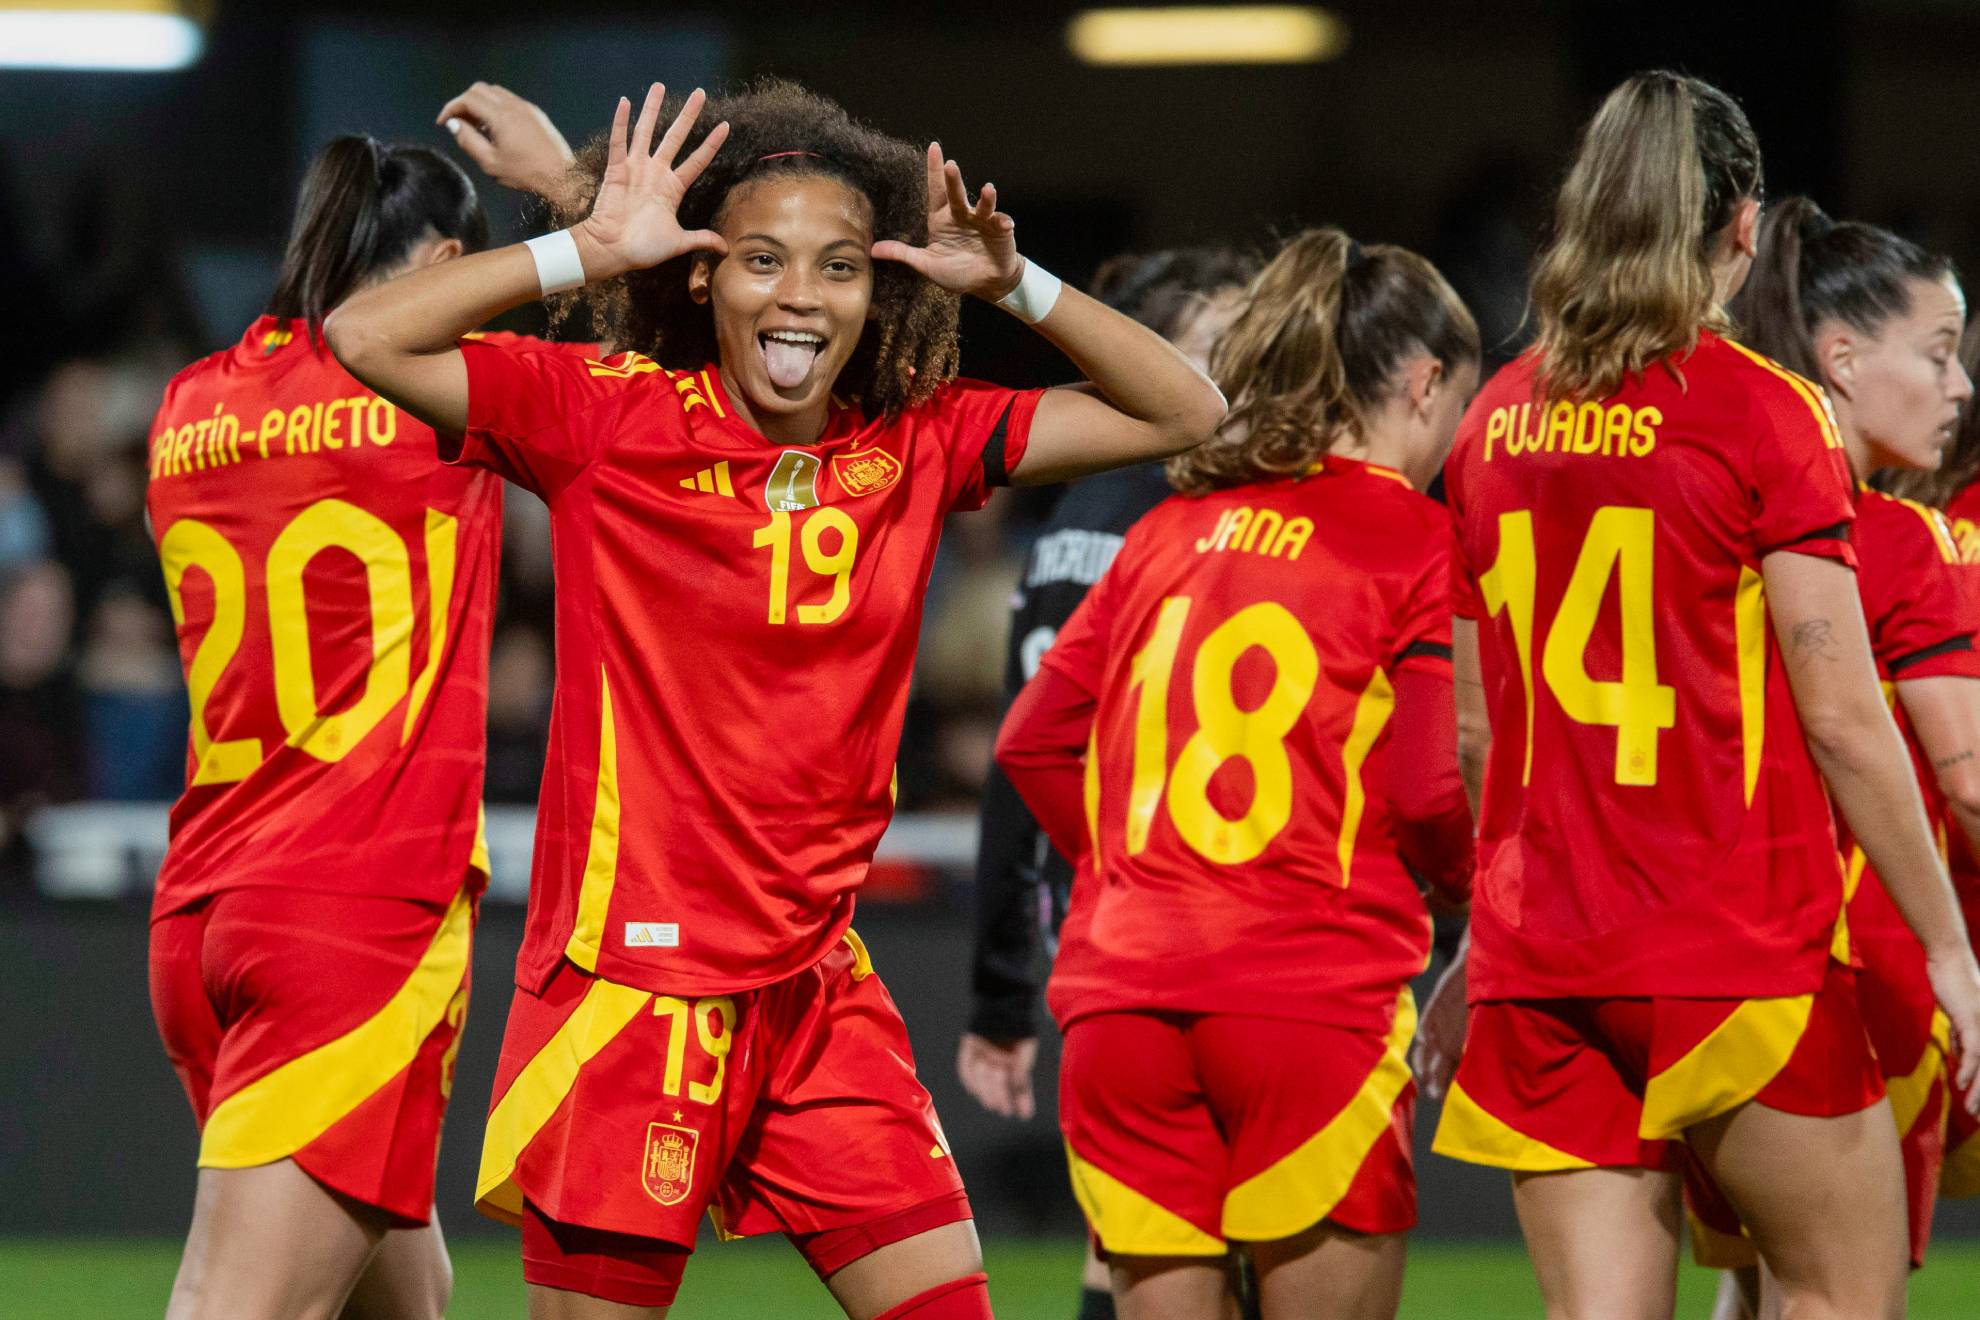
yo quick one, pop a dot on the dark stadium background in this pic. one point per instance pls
(141, 217)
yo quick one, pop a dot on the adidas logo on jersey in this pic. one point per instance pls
(712, 480)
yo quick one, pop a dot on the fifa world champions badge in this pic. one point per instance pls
(793, 483)
(667, 1170)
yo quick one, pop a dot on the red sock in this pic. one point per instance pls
(967, 1298)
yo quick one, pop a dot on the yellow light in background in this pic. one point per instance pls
(129, 36)
(1208, 34)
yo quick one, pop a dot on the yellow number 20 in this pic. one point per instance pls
(325, 525)
(1619, 544)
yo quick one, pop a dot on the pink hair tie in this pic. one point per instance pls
(779, 155)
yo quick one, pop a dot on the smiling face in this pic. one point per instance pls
(790, 299)
(1901, 388)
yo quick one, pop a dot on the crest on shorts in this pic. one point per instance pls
(866, 471)
(667, 1171)
(793, 483)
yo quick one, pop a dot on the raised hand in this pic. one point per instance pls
(511, 139)
(635, 221)
(970, 249)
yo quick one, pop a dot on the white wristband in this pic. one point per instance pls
(558, 266)
(1036, 293)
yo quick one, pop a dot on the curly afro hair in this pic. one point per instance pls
(908, 349)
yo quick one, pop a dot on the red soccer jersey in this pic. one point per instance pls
(1652, 822)
(333, 584)
(1240, 657)
(1963, 515)
(1919, 605)
(736, 625)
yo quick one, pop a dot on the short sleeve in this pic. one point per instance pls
(538, 415)
(1800, 481)
(1423, 639)
(984, 431)
(1917, 607)
(1081, 649)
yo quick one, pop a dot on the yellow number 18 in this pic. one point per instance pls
(1619, 543)
(1225, 731)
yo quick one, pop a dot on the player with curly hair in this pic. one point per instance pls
(745, 509)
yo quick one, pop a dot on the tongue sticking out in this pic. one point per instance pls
(788, 363)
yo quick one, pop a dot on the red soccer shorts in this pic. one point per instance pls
(320, 1028)
(793, 1108)
(1909, 1037)
(1553, 1084)
(1185, 1131)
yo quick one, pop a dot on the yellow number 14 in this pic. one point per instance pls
(1619, 543)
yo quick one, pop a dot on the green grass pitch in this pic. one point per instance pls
(66, 1279)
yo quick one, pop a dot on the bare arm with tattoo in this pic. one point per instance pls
(1944, 711)
(1818, 620)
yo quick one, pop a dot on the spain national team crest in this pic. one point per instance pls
(667, 1172)
(793, 483)
(866, 471)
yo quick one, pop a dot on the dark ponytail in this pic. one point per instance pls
(363, 206)
(1163, 290)
(1812, 269)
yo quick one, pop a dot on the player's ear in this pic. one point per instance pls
(701, 277)
(1746, 228)
(1835, 353)
(1425, 377)
(432, 252)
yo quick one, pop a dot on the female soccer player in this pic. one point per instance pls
(1658, 888)
(1260, 690)
(745, 512)
(333, 585)
(1189, 296)
(1876, 321)
(1961, 1174)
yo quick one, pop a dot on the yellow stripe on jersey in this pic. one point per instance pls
(1303, 1188)
(479, 857)
(541, 1087)
(1750, 632)
(1727, 1068)
(1910, 1092)
(862, 960)
(1811, 393)
(442, 536)
(1468, 1132)
(1935, 523)
(601, 858)
(280, 1112)
(714, 399)
(630, 364)
(1127, 1222)
(1371, 716)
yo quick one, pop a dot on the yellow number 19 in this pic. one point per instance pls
(1619, 542)
(836, 563)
